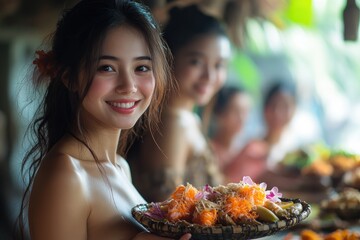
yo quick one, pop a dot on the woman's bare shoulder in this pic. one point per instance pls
(61, 171)
(60, 174)
(60, 163)
(59, 201)
(170, 118)
(178, 123)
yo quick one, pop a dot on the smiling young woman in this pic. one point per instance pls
(106, 71)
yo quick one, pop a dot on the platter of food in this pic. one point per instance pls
(345, 205)
(243, 210)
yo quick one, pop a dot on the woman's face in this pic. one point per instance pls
(279, 110)
(124, 82)
(232, 119)
(201, 67)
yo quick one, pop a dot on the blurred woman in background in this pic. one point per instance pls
(284, 136)
(180, 153)
(278, 109)
(230, 112)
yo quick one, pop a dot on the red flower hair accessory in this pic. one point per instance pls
(45, 63)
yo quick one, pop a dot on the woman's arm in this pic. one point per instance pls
(162, 160)
(58, 207)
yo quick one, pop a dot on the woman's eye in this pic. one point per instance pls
(195, 62)
(106, 68)
(220, 65)
(143, 69)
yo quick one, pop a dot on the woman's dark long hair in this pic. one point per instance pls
(187, 23)
(70, 67)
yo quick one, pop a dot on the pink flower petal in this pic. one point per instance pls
(248, 180)
(273, 195)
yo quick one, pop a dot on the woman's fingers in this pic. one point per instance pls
(187, 236)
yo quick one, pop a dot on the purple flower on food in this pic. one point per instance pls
(263, 186)
(273, 195)
(208, 188)
(206, 193)
(200, 195)
(247, 180)
(155, 212)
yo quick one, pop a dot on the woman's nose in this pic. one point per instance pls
(209, 74)
(126, 83)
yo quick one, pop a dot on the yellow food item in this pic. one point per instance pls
(276, 209)
(286, 205)
(265, 214)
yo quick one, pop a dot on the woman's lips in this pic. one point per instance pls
(124, 107)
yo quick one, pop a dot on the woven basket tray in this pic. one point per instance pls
(238, 232)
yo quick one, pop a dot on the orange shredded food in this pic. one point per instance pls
(206, 217)
(342, 235)
(254, 194)
(233, 203)
(309, 235)
(345, 234)
(183, 203)
(181, 192)
(237, 208)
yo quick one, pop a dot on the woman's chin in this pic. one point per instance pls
(126, 126)
(202, 101)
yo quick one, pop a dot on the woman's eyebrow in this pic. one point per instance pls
(109, 57)
(194, 53)
(144, 58)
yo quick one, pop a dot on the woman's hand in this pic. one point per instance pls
(149, 236)
(186, 236)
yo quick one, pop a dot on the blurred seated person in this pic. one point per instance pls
(279, 107)
(230, 112)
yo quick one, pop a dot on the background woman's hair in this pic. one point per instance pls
(75, 49)
(187, 23)
(224, 96)
(217, 106)
(279, 86)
